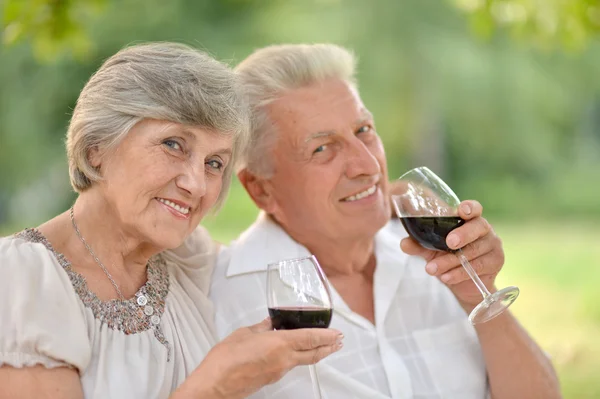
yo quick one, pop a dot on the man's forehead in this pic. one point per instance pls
(305, 112)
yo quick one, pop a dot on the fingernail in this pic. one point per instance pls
(431, 268)
(339, 344)
(445, 278)
(452, 240)
(339, 339)
(466, 208)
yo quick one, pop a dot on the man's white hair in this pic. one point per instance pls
(271, 71)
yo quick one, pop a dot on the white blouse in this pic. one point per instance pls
(143, 347)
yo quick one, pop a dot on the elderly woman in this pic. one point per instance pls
(88, 304)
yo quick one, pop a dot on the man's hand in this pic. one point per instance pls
(481, 246)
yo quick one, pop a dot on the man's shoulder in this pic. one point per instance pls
(264, 242)
(238, 296)
(221, 265)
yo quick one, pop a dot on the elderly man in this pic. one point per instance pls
(317, 170)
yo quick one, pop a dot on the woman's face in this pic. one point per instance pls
(162, 179)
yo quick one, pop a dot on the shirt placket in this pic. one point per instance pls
(386, 282)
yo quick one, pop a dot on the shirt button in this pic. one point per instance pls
(142, 300)
(155, 320)
(148, 310)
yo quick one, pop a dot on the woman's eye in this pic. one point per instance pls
(320, 148)
(215, 164)
(173, 145)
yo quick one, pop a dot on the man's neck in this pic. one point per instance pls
(343, 258)
(349, 264)
(338, 256)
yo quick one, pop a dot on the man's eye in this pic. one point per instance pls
(173, 145)
(320, 148)
(364, 129)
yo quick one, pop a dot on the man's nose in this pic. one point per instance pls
(361, 161)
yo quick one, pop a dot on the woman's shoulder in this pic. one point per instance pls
(40, 317)
(195, 258)
(23, 250)
(30, 265)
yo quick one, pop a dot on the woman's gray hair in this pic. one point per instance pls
(165, 81)
(269, 72)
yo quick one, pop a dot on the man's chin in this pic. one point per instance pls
(370, 224)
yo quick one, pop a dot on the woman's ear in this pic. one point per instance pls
(259, 189)
(94, 157)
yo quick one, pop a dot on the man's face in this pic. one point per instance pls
(330, 175)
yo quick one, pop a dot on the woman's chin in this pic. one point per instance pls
(164, 240)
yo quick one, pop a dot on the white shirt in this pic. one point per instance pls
(421, 346)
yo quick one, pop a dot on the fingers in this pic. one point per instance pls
(243, 332)
(263, 326)
(411, 247)
(448, 261)
(486, 265)
(468, 232)
(470, 209)
(459, 274)
(315, 355)
(306, 339)
(311, 345)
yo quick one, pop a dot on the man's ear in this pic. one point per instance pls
(259, 189)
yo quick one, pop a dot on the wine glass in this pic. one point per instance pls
(428, 209)
(298, 297)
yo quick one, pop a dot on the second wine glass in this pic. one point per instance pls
(298, 297)
(428, 209)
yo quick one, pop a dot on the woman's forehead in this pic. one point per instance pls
(194, 135)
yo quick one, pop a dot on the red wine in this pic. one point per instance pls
(294, 318)
(431, 232)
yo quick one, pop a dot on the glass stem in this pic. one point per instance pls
(315, 382)
(469, 269)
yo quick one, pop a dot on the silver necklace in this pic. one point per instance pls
(114, 284)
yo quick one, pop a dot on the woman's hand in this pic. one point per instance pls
(255, 356)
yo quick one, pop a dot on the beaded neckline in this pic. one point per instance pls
(131, 316)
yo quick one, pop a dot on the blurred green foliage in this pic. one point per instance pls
(52, 25)
(569, 24)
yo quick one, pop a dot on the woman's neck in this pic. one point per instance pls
(123, 254)
(112, 241)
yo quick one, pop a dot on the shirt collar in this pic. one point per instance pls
(264, 242)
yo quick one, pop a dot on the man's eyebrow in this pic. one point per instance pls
(319, 135)
(366, 116)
